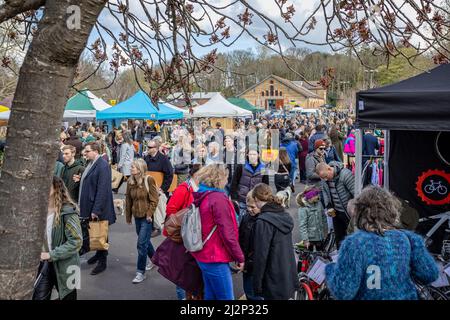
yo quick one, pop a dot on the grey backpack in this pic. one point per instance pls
(191, 230)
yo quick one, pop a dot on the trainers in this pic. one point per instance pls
(149, 266)
(139, 278)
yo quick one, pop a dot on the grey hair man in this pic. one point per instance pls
(338, 187)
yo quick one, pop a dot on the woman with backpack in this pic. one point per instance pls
(219, 230)
(141, 201)
(182, 198)
(63, 240)
(274, 268)
(380, 261)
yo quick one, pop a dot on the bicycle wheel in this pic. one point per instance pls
(325, 294)
(437, 294)
(304, 292)
(329, 242)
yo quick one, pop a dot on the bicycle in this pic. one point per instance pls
(435, 186)
(308, 288)
(428, 292)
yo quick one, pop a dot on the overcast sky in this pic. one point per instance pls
(258, 28)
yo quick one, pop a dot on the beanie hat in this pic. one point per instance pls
(319, 143)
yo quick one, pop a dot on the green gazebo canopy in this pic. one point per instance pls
(244, 104)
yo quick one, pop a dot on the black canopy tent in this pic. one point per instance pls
(415, 114)
(419, 103)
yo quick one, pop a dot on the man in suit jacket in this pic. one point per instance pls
(96, 200)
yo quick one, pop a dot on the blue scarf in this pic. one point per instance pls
(203, 188)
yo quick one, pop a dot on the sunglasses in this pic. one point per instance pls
(321, 148)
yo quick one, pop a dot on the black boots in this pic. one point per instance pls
(100, 258)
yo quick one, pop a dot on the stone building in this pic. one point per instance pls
(274, 93)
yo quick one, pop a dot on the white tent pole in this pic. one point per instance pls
(358, 162)
(387, 142)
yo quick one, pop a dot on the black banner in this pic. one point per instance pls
(419, 171)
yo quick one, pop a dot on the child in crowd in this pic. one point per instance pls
(312, 219)
(246, 242)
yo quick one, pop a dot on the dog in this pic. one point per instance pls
(119, 205)
(285, 196)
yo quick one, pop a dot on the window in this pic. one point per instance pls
(276, 93)
(267, 92)
(271, 90)
(271, 81)
(262, 93)
(281, 93)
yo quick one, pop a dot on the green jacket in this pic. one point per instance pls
(312, 222)
(67, 174)
(66, 242)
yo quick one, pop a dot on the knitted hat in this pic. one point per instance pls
(319, 143)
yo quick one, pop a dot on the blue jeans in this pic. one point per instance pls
(144, 246)
(217, 281)
(248, 286)
(293, 174)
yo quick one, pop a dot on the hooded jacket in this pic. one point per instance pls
(312, 221)
(274, 267)
(66, 242)
(216, 209)
(345, 186)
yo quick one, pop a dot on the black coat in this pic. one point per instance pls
(161, 163)
(274, 268)
(96, 193)
(246, 234)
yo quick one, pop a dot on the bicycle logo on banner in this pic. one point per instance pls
(433, 186)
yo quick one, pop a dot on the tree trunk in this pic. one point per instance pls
(32, 141)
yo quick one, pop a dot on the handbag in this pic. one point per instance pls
(178, 266)
(173, 222)
(98, 235)
(116, 177)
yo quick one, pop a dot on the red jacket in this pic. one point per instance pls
(223, 247)
(181, 198)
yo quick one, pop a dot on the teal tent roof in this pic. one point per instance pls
(139, 106)
(86, 100)
(244, 104)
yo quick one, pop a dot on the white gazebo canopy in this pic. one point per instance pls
(219, 107)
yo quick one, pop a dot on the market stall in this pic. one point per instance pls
(139, 106)
(84, 105)
(415, 114)
(218, 109)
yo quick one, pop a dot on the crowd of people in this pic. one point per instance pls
(246, 227)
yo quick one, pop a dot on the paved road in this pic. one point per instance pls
(115, 282)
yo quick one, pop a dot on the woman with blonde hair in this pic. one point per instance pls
(219, 230)
(63, 240)
(274, 269)
(141, 202)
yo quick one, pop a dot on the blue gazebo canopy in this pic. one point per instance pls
(139, 106)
